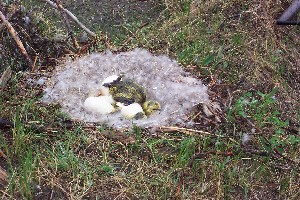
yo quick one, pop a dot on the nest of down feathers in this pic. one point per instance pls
(162, 78)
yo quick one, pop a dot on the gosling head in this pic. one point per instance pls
(112, 80)
(106, 85)
(126, 91)
(151, 106)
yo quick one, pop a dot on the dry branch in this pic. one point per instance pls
(183, 130)
(73, 17)
(14, 34)
(67, 23)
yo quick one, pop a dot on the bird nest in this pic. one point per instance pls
(162, 78)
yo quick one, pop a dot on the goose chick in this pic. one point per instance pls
(126, 91)
(151, 106)
(104, 90)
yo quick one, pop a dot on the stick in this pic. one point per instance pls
(73, 17)
(34, 63)
(66, 20)
(184, 130)
(13, 33)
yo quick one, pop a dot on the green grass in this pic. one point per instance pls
(249, 65)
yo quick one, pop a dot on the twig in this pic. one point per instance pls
(13, 33)
(67, 23)
(183, 130)
(73, 17)
(51, 195)
(34, 63)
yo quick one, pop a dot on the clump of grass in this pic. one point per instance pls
(260, 112)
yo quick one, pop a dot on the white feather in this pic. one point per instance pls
(246, 138)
